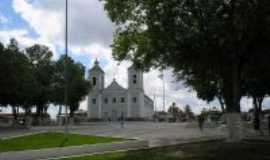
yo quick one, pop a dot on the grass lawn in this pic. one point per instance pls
(203, 151)
(50, 140)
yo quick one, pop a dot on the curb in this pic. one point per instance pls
(22, 135)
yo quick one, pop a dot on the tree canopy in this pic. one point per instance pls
(31, 78)
(66, 70)
(198, 39)
(40, 58)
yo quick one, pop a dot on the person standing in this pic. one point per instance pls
(122, 119)
(201, 122)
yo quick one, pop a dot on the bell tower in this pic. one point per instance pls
(135, 92)
(135, 78)
(96, 77)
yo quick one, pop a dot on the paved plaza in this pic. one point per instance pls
(156, 133)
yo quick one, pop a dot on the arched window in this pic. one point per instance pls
(114, 100)
(106, 100)
(122, 100)
(94, 81)
(134, 99)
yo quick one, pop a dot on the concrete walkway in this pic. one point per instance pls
(74, 150)
(147, 134)
(155, 133)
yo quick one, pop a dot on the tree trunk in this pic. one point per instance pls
(256, 120)
(232, 96)
(60, 110)
(38, 115)
(27, 117)
(14, 113)
(257, 102)
(221, 102)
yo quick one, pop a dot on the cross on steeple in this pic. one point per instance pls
(96, 62)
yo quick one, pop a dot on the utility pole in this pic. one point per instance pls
(161, 76)
(163, 81)
(154, 102)
(66, 78)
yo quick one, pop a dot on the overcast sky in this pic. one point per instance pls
(90, 32)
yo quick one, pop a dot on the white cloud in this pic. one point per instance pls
(88, 22)
(45, 23)
(6, 35)
(21, 35)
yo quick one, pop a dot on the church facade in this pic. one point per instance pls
(115, 101)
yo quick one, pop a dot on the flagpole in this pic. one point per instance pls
(66, 56)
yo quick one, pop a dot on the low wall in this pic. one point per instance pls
(74, 150)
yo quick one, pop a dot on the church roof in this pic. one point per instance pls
(96, 67)
(114, 86)
(148, 98)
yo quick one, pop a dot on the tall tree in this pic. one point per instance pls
(257, 86)
(194, 38)
(175, 111)
(188, 112)
(3, 88)
(67, 71)
(40, 57)
(17, 81)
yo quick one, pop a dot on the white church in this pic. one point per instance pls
(115, 101)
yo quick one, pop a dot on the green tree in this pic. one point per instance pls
(218, 38)
(73, 74)
(3, 89)
(40, 57)
(175, 111)
(188, 112)
(257, 87)
(17, 81)
(208, 88)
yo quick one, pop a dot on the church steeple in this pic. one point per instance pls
(96, 76)
(135, 78)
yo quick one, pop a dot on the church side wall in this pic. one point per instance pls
(149, 108)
